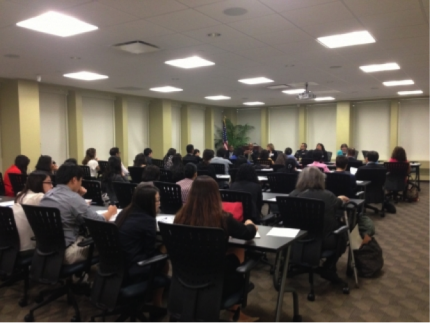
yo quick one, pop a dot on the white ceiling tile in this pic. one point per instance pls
(228, 34)
(262, 25)
(260, 53)
(401, 32)
(372, 7)
(46, 5)
(333, 28)
(393, 19)
(284, 37)
(11, 13)
(173, 41)
(198, 3)
(239, 44)
(282, 5)
(145, 8)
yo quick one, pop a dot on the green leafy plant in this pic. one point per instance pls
(237, 135)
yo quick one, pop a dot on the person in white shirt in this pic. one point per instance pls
(91, 161)
(38, 183)
(114, 152)
(219, 159)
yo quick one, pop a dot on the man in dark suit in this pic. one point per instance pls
(189, 157)
(302, 151)
(371, 160)
(148, 155)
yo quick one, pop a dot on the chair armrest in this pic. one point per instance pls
(341, 229)
(264, 220)
(86, 242)
(359, 194)
(152, 260)
(247, 266)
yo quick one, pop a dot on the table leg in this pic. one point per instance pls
(282, 287)
(418, 178)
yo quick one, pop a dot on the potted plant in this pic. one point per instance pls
(237, 135)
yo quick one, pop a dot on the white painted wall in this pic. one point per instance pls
(198, 127)
(138, 127)
(283, 127)
(321, 126)
(176, 126)
(253, 118)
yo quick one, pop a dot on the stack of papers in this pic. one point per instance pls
(283, 232)
(353, 170)
(8, 203)
(113, 218)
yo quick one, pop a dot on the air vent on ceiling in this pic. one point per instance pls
(278, 87)
(129, 88)
(137, 47)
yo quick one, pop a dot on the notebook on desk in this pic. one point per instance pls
(353, 170)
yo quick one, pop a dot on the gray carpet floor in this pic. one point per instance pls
(399, 293)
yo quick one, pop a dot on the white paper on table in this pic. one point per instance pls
(272, 199)
(299, 170)
(353, 170)
(8, 203)
(262, 178)
(359, 182)
(267, 169)
(283, 232)
(166, 219)
(113, 218)
(223, 176)
(257, 236)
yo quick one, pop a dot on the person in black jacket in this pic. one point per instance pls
(205, 165)
(190, 157)
(138, 236)
(148, 155)
(112, 174)
(325, 158)
(302, 151)
(177, 169)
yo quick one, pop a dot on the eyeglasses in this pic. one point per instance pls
(50, 183)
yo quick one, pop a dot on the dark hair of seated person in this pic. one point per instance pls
(288, 151)
(44, 163)
(190, 170)
(190, 149)
(139, 160)
(34, 183)
(281, 159)
(208, 154)
(89, 155)
(196, 151)
(264, 154)
(246, 172)
(71, 160)
(351, 152)
(240, 161)
(341, 162)
(221, 152)
(147, 151)
(143, 199)
(67, 172)
(113, 151)
(21, 162)
(317, 155)
(373, 156)
(399, 154)
(113, 168)
(151, 174)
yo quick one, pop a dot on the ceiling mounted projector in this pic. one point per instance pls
(307, 95)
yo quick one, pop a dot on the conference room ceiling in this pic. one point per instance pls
(271, 38)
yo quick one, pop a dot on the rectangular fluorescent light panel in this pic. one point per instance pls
(344, 40)
(410, 92)
(253, 103)
(395, 83)
(166, 89)
(57, 24)
(325, 98)
(256, 80)
(296, 91)
(190, 62)
(218, 97)
(380, 67)
(86, 76)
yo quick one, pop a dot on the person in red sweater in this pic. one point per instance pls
(20, 167)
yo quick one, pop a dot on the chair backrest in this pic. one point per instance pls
(158, 162)
(94, 191)
(53, 179)
(356, 154)
(197, 255)
(364, 152)
(110, 271)
(329, 154)
(18, 182)
(277, 167)
(186, 161)
(396, 176)
(102, 165)
(248, 204)
(166, 176)
(170, 197)
(233, 173)
(205, 172)
(124, 192)
(2, 189)
(136, 173)
(87, 172)
(219, 168)
(339, 184)
(375, 190)
(263, 162)
(9, 241)
(282, 182)
(50, 245)
(306, 161)
(354, 163)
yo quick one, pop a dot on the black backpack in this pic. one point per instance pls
(368, 259)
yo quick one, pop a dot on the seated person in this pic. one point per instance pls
(311, 184)
(302, 151)
(203, 209)
(91, 161)
(290, 166)
(190, 172)
(150, 175)
(138, 236)
(273, 154)
(38, 183)
(139, 160)
(177, 168)
(320, 147)
(289, 155)
(351, 154)
(230, 151)
(114, 152)
(190, 157)
(148, 155)
(46, 164)
(112, 174)
(168, 158)
(371, 160)
(19, 167)
(282, 158)
(196, 152)
(247, 181)
(71, 161)
(251, 153)
(341, 164)
(73, 209)
(205, 164)
(219, 159)
(264, 156)
(343, 150)
(399, 156)
(317, 158)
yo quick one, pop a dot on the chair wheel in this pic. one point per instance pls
(75, 319)
(345, 290)
(297, 318)
(38, 299)
(22, 302)
(311, 297)
(29, 318)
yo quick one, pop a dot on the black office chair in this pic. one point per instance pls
(110, 292)
(219, 168)
(277, 167)
(17, 181)
(124, 193)
(308, 214)
(365, 152)
(136, 173)
(186, 161)
(282, 182)
(249, 205)
(13, 263)
(233, 173)
(87, 172)
(198, 255)
(205, 173)
(340, 184)
(396, 181)
(354, 163)
(47, 264)
(166, 176)
(158, 162)
(329, 154)
(306, 161)
(102, 165)
(264, 162)
(170, 197)
(2, 189)
(375, 192)
(94, 191)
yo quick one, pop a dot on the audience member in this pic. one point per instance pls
(38, 183)
(341, 164)
(317, 158)
(19, 167)
(290, 166)
(282, 158)
(371, 160)
(148, 155)
(219, 159)
(190, 157)
(140, 160)
(351, 154)
(71, 161)
(289, 155)
(168, 158)
(399, 156)
(112, 174)
(196, 152)
(185, 184)
(150, 175)
(325, 157)
(241, 160)
(114, 152)
(73, 209)
(177, 168)
(273, 154)
(343, 150)
(302, 151)
(91, 161)
(238, 152)
(46, 164)
(264, 156)
(205, 165)
(230, 151)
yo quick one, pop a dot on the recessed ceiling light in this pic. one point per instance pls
(380, 67)
(253, 103)
(218, 97)
(410, 92)
(86, 76)
(190, 62)
(295, 91)
(256, 80)
(166, 89)
(213, 35)
(57, 24)
(349, 39)
(325, 98)
(395, 83)
(137, 47)
(235, 11)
